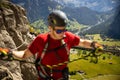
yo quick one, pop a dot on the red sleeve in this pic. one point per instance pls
(73, 40)
(76, 40)
(35, 45)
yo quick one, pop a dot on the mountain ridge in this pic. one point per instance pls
(96, 5)
(42, 10)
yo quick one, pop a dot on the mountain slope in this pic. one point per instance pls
(111, 27)
(114, 30)
(85, 16)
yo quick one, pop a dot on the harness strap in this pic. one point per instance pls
(38, 62)
(43, 52)
(39, 72)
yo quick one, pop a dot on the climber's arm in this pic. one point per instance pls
(22, 54)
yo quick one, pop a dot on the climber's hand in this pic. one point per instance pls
(97, 46)
(5, 53)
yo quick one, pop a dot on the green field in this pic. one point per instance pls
(91, 70)
(107, 68)
(108, 41)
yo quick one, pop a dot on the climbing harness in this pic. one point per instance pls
(38, 64)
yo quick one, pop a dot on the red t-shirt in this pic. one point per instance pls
(54, 57)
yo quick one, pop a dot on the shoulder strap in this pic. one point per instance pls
(63, 42)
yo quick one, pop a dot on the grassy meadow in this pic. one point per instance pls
(107, 68)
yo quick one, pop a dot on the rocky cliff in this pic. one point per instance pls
(14, 27)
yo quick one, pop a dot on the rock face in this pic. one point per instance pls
(14, 27)
(13, 24)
